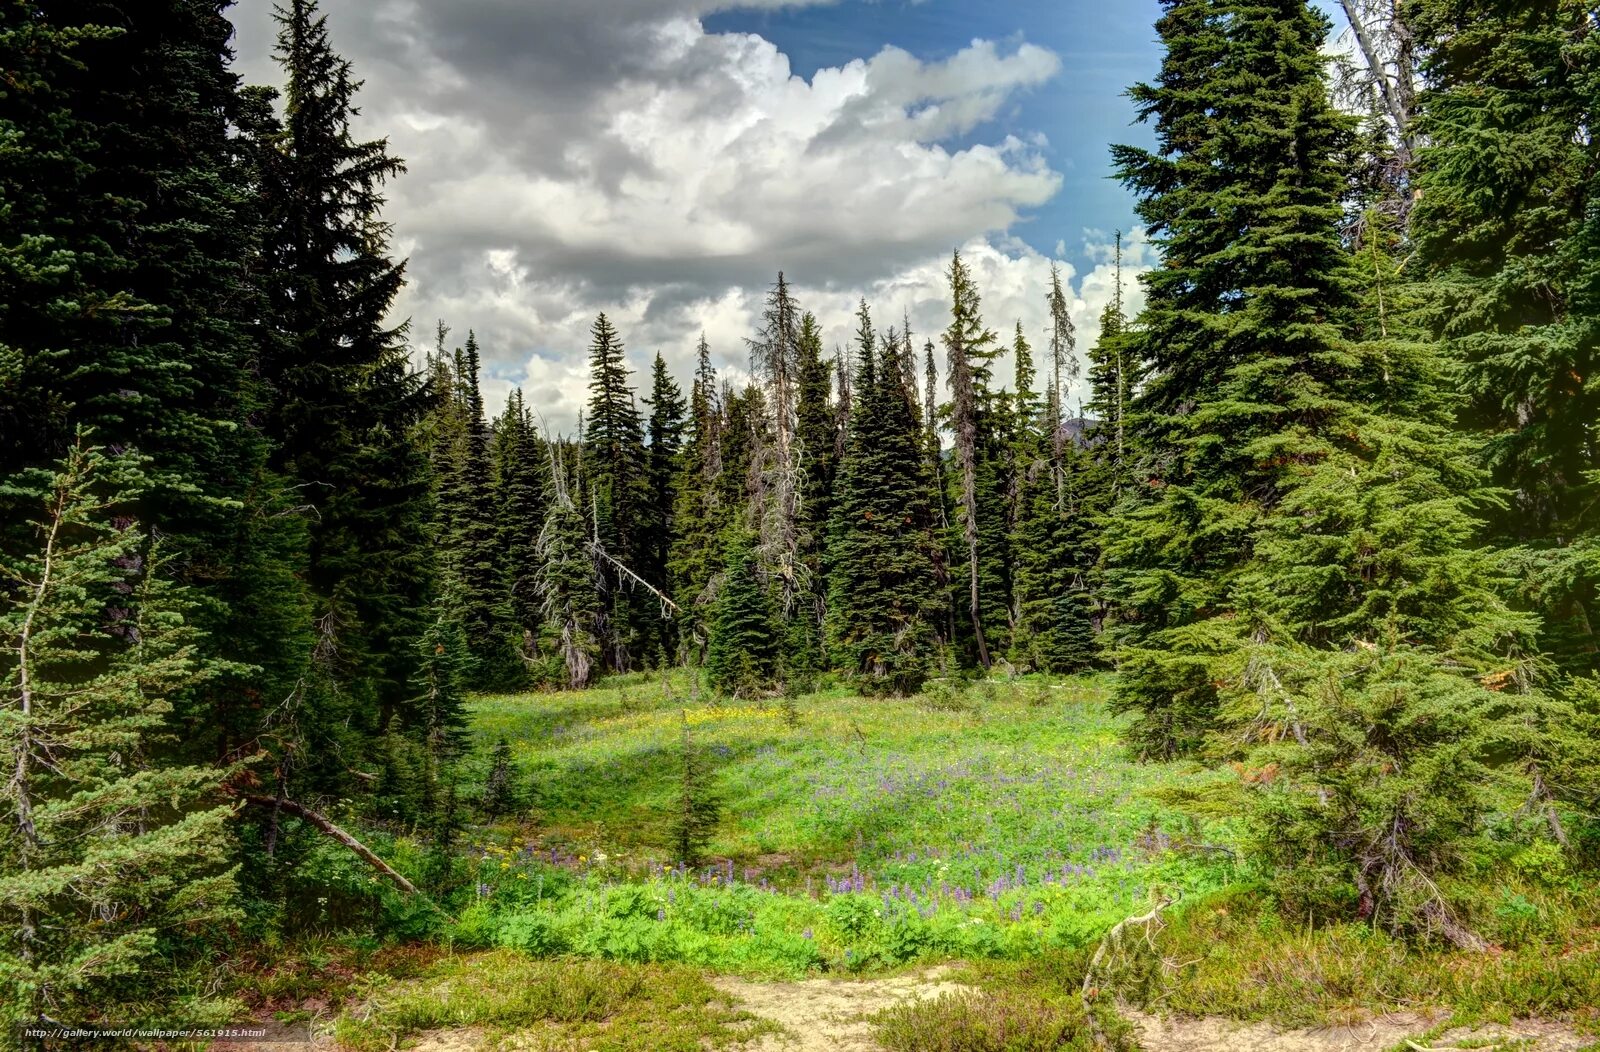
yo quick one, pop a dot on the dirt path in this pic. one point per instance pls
(830, 1015)
(1373, 1035)
(825, 1015)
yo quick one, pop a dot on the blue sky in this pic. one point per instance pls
(1104, 46)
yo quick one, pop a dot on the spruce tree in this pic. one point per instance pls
(885, 597)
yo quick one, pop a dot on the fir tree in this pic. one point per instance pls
(1507, 222)
(1112, 375)
(979, 477)
(742, 657)
(666, 430)
(521, 491)
(619, 498)
(345, 407)
(885, 597)
(476, 536)
(1052, 531)
(698, 808)
(818, 443)
(699, 514)
(1305, 576)
(501, 792)
(127, 303)
(567, 585)
(110, 854)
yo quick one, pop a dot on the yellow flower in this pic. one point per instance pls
(505, 865)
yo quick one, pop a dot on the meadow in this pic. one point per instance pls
(987, 820)
(999, 826)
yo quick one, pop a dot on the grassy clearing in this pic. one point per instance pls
(1002, 820)
(559, 1004)
(999, 824)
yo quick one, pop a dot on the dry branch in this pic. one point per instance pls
(322, 823)
(1113, 938)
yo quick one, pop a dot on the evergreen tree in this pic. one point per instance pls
(1507, 221)
(521, 490)
(666, 430)
(568, 586)
(742, 657)
(885, 597)
(129, 244)
(1221, 305)
(1304, 575)
(111, 854)
(345, 407)
(1052, 532)
(979, 477)
(501, 793)
(476, 537)
(619, 498)
(818, 443)
(698, 808)
(699, 514)
(1112, 381)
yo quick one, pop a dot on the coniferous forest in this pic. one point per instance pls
(1276, 639)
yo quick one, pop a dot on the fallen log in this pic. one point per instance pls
(322, 823)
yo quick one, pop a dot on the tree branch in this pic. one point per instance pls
(321, 822)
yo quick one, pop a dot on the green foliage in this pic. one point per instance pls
(1506, 228)
(502, 791)
(742, 657)
(884, 598)
(698, 808)
(604, 1006)
(345, 406)
(699, 514)
(111, 856)
(618, 483)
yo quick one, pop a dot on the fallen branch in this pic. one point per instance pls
(1113, 938)
(305, 814)
(597, 549)
(1424, 1048)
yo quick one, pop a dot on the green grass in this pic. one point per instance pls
(999, 824)
(1234, 954)
(1001, 821)
(561, 1004)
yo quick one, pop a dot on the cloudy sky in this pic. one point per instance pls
(662, 160)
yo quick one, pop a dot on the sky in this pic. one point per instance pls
(662, 160)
